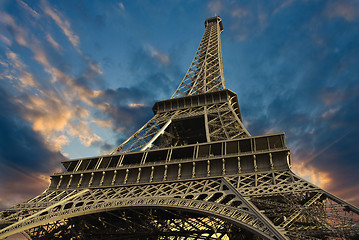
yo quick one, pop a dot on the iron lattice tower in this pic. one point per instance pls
(192, 172)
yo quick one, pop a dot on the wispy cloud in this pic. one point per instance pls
(28, 8)
(53, 113)
(121, 6)
(161, 57)
(4, 39)
(292, 55)
(282, 6)
(63, 23)
(215, 7)
(26, 79)
(239, 13)
(25, 160)
(346, 9)
(53, 42)
(136, 105)
(104, 123)
(19, 33)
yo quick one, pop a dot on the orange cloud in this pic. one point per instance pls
(56, 142)
(53, 115)
(136, 105)
(56, 115)
(104, 123)
(96, 68)
(82, 130)
(312, 174)
(26, 78)
(324, 180)
(47, 113)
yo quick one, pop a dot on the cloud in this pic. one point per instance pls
(161, 57)
(116, 104)
(121, 5)
(47, 112)
(26, 79)
(52, 115)
(19, 33)
(312, 97)
(239, 13)
(95, 68)
(25, 159)
(136, 105)
(4, 39)
(287, 82)
(331, 96)
(18, 186)
(215, 7)
(28, 8)
(51, 112)
(64, 25)
(314, 175)
(247, 20)
(104, 123)
(81, 130)
(346, 9)
(330, 113)
(284, 5)
(38, 122)
(52, 41)
(57, 142)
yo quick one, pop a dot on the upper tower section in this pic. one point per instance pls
(206, 71)
(215, 20)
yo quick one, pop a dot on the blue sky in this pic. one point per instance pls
(77, 77)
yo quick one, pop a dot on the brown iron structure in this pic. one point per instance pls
(192, 172)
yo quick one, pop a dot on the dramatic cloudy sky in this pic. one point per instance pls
(77, 77)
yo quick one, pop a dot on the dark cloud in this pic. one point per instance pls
(20, 144)
(129, 108)
(296, 76)
(292, 64)
(24, 155)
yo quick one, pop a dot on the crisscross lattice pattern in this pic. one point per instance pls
(206, 71)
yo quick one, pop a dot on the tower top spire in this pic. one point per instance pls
(206, 71)
(216, 19)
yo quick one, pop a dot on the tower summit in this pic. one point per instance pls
(206, 71)
(193, 171)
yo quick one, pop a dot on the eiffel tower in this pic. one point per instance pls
(191, 172)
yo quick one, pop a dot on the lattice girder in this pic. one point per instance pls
(285, 199)
(211, 197)
(219, 111)
(150, 224)
(193, 171)
(206, 71)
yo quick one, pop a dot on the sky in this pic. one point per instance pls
(78, 77)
